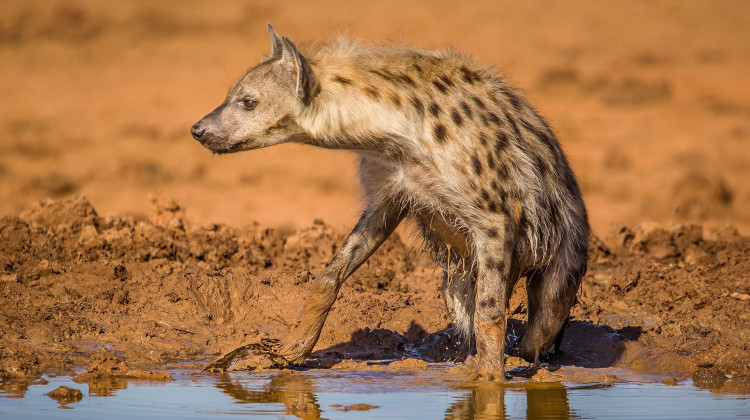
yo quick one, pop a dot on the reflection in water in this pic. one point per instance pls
(487, 401)
(14, 387)
(543, 401)
(484, 402)
(293, 390)
(548, 401)
(312, 394)
(104, 386)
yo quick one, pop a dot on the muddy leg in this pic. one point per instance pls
(496, 270)
(375, 225)
(552, 292)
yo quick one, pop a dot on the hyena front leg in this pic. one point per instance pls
(496, 272)
(373, 228)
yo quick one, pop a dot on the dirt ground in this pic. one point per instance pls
(650, 100)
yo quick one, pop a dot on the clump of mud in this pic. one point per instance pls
(65, 395)
(164, 290)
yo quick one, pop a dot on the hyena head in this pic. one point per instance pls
(260, 109)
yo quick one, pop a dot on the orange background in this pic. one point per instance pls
(650, 100)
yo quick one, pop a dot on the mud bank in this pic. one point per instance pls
(143, 295)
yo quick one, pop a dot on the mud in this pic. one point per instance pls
(130, 298)
(65, 395)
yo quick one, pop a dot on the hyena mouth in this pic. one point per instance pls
(232, 148)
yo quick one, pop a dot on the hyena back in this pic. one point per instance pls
(443, 142)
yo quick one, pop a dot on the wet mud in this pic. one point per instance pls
(131, 298)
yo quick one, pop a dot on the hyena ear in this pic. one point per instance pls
(307, 84)
(277, 45)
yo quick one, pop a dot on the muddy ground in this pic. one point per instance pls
(164, 291)
(650, 101)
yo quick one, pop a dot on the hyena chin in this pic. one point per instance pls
(444, 142)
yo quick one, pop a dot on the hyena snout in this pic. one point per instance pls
(198, 131)
(211, 133)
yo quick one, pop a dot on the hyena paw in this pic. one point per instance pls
(261, 355)
(485, 371)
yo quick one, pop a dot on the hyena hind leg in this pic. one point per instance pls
(551, 292)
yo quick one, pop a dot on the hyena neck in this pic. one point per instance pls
(356, 111)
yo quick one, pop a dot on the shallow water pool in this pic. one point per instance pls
(362, 395)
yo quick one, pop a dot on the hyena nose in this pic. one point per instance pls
(197, 131)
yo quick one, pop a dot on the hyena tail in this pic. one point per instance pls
(552, 293)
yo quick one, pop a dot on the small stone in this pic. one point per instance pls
(65, 395)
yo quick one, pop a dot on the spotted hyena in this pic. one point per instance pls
(444, 142)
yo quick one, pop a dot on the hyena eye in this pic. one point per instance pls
(249, 104)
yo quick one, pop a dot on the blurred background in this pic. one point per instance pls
(650, 100)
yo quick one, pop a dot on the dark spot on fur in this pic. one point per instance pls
(466, 108)
(502, 170)
(515, 100)
(469, 76)
(492, 207)
(372, 92)
(501, 266)
(484, 119)
(490, 160)
(477, 164)
(417, 67)
(418, 105)
(490, 264)
(492, 232)
(503, 195)
(441, 87)
(440, 132)
(407, 79)
(396, 100)
(483, 139)
(479, 102)
(447, 80)
(342, 80)
(434, 109)
(456, 117)
(485, 195)
(514, 126)
(384, 74)
(501, 141)
(493, 117)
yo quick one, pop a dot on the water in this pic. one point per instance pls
(364, 395)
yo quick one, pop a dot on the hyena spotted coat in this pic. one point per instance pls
(444, 142)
